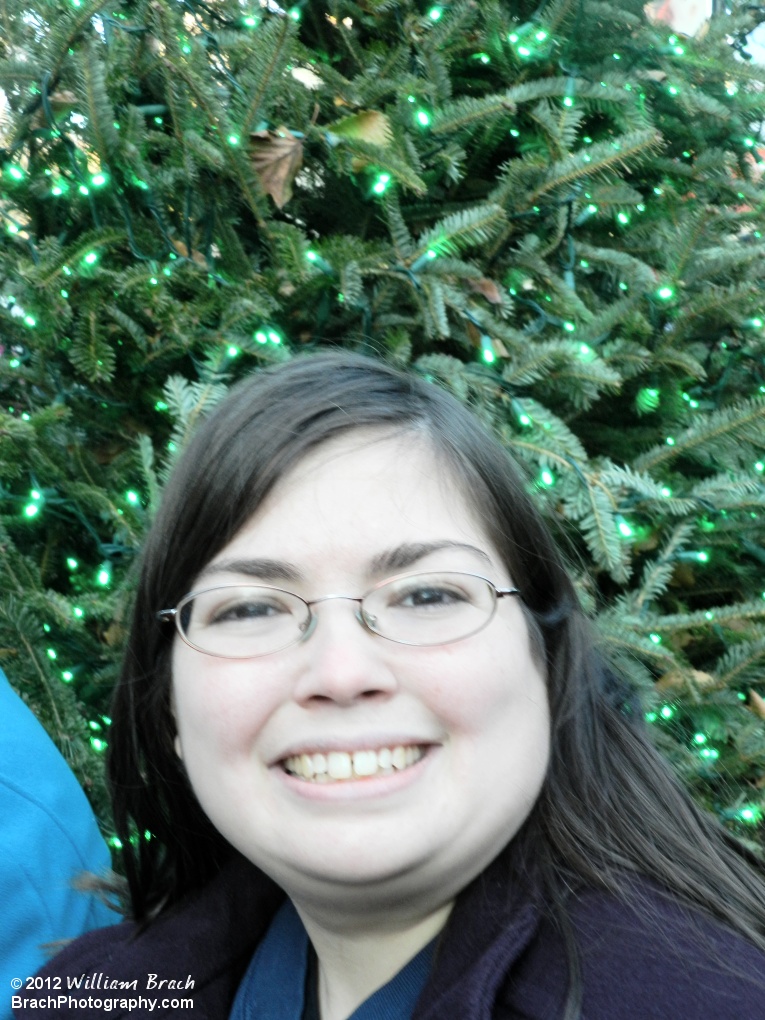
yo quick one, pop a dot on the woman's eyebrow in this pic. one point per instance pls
(405, 555)
(263, 569)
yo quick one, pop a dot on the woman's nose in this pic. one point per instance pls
(342, 660)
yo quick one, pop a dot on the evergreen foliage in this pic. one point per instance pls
(554, 210)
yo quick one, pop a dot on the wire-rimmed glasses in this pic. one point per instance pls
(244, 621)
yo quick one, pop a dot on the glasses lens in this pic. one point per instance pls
(430, 609)
(239, 621)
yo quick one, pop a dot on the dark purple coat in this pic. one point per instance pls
(499, 960)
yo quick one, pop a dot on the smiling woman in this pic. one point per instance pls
(385, 773)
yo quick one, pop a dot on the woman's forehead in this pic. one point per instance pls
(366, 498)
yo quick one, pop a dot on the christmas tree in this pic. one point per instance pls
(553, 210)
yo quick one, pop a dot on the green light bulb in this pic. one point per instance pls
(132, 497)
(435, 13)
(67, 676)
(423, 118)
(655, 638)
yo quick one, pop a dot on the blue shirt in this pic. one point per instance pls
(277, 985)
(48, 836)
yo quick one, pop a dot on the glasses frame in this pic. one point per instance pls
(174, 614)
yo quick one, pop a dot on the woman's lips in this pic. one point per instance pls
(344, 766)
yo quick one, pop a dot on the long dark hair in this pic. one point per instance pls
(609, 807)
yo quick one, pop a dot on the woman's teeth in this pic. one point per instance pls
(337, 766)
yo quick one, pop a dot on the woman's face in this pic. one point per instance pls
(472, 714)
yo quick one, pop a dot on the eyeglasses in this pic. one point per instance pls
(243, 621)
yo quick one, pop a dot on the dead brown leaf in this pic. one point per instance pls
(366, 126)
(277, 156)
(756, 704)
(487, 288)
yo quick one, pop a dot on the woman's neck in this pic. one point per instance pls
(354, 963)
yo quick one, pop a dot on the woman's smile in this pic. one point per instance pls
(344, 766)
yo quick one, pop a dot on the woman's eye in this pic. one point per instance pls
(246, 610)
(425, 597)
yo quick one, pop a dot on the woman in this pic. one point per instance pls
(358, 675)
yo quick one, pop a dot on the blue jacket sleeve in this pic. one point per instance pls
(48, 836)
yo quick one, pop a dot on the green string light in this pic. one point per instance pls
(655, 638)
(435, 13)
(67, 676)
(487, 350)
(546, 478)
(648, 399)
(666, 712)
(666, 293)
(380, 186)
(751, 814)
(624, 528)
(423, 118)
